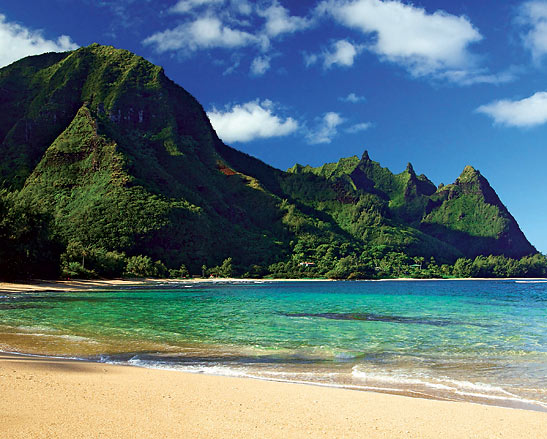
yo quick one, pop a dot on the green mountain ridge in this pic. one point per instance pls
(125, 160)
(467, 215)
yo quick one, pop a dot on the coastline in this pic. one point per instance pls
(94, 284)
(47, 397)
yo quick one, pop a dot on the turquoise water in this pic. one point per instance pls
(484, 341)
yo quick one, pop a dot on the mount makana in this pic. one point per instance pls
(107, 164)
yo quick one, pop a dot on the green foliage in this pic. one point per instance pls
(181, 273)
(143, 266)
(224, 270)
(27, 246)
(119, 167)
(91, 262)
(463, 268)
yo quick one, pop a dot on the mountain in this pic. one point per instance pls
(122, 159)
(467, 216)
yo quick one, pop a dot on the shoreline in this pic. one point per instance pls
(92, 284)
(48, 397)
(39, 285)
(512, 403)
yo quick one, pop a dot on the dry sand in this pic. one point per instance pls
(86, 284)
(50, 398)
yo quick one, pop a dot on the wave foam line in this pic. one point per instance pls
(462, 388)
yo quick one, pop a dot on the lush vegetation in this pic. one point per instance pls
(110, 169)
(28, 248)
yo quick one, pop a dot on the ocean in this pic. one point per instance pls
(483, 341)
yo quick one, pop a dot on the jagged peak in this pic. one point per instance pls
(469, 174)
(410, 168)
(365, 157)
(469, 169)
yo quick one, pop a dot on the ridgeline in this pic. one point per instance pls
(109, 168)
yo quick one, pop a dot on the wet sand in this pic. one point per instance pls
(53, 398)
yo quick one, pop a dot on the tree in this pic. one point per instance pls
(463, 268)
(226, 269)
(27, 246)
(143, 266)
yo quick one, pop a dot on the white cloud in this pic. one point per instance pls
(185, 6)
(358, 127)
(479, 76)
(236, 61)
(182, 7)
(242, 7)
(424, 43)
(353, 98)
(342, 53)
(533, 16)
(203, 33)
(17, 41)
(249, 121)
(260, 65)
(526, 112)
(229, 24)
(310, 58)
(326, 130)
(278, 20)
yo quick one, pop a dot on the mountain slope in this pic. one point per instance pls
(467, 217)
(470, 208)
(127, 160)
(124, 159)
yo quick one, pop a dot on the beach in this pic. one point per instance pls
(191, 359)
(95, 284)
(57, 398)
(98, 284)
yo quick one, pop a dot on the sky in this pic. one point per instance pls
(441, 84)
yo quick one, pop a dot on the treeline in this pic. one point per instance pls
(31, 248)
(376, 263)
(397, 265)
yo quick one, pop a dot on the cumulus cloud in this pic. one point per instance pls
(229, 24)
(278, 20)
(250, 121)
(408, 35)
(352, 98)
(326, 130)
(260, 65)
(203, 33)
(342, 54)
(17, 41)
(533, 17)
(526, 112)
(358, 127)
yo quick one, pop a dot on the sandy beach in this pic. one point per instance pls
(53, 398)
(87, 284)
(94, 284)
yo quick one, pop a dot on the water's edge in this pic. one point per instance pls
(513, 403)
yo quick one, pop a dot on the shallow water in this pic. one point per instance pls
(482, 341)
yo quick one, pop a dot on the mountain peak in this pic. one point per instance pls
(128, 161)
(468, 174)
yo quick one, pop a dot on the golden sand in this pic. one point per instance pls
(86, 284)
(50, 398)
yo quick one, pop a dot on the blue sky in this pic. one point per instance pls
(441, 84)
